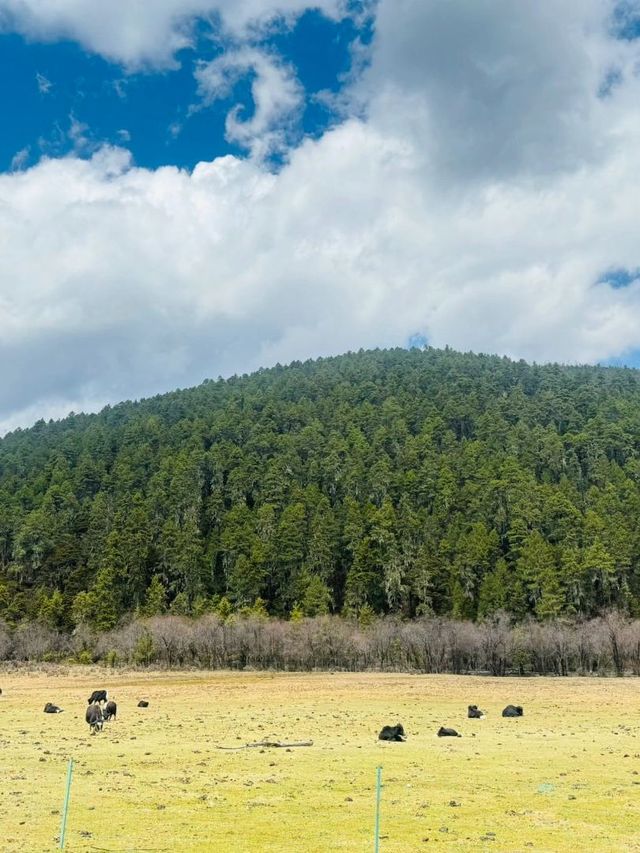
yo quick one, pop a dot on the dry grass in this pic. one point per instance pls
(564, 777)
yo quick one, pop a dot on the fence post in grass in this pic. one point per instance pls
(65, 808)
(378, 795)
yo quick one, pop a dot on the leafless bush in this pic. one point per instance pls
(208, 642)
(539, 644)
(83, 641)
(607, 645)
(495, 636)
(5, 641)
(588, 647)
(615, 627)
(33, 641)
(427, 645)
(631, 643)
(172, 639)
(120, 643)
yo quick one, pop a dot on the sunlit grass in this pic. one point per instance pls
(564, 777)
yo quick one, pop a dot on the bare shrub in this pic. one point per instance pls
(632, 646)
(615, 627)
(495, 638)
(563, 641)
(430, 644)
(121, 641)
(33, 641)
(208, 642)
(385, 644)
(540, 643)
(6, 643)
(172, 637)
(587, 647)
(83, 643)
(466, 646)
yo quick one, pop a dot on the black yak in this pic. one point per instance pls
(443, 732)
(97, 696)
(49, 708)
(513, 711)
(392, 733)
(94, 718)
(474, 713)
(110, 710)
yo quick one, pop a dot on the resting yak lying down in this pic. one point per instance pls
(392, 733)
(513, 711)
(474, 713)
(443, 732)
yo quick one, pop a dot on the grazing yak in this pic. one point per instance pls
(443, 732)
(513, 711)
(94, 718)
(392, 733)
(49, 708)
(110, 710)
(97, 696)
(474, 713)
(143, 703)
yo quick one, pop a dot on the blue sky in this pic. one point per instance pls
(194, 188)
(50, 88)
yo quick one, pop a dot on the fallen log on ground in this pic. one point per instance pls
(269, 743)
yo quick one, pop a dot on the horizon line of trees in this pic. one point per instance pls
(604, 646)
(404, 482)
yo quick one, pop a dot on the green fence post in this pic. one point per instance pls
(378, 795)
(65, 808)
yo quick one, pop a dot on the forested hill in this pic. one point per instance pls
(402, 481)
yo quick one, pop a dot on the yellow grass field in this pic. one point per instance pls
(564, 777)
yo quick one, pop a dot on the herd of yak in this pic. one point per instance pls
(96, 716)
(397, 733)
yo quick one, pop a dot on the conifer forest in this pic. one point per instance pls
(399, 483)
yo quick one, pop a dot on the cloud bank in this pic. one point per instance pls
(146, 32)
(479, 201)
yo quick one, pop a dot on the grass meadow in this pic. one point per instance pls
(564, 777)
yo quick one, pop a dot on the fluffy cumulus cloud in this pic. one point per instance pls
(494, 88)
(479, 200)
(145, 32)
(276, 95)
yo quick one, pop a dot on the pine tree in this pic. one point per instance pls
(316, 600)
(494, 591)
(106, 594)
(155, 601)
(537, 570)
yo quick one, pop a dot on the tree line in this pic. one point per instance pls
(607, 645)
(402, 483)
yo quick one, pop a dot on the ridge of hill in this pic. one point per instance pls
(394, 481)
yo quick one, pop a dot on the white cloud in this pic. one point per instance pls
(138, 32)
(78, 134)
(276, 95)
(44, 85)
(493, 88)
(474, 205)
(20, 159)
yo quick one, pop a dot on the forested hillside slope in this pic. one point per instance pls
(401, 481)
